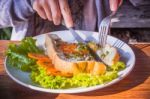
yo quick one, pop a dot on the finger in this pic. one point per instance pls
(66, 13)
(56, 14)
(47, 9)
(38, 8)
(114, 4)
(120, 2)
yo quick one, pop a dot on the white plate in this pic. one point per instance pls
(127, 55)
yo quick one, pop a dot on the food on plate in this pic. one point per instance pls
(72, 58)
(65, 65)
(109, 55)
(37, 56)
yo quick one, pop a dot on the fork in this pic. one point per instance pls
(104, 29)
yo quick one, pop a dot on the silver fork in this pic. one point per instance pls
(104, 29)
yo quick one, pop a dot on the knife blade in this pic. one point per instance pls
(76, 35)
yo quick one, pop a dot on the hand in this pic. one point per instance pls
(54, 10)
(114, 4)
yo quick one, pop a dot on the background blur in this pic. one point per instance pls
(5, 33)
(131, 23)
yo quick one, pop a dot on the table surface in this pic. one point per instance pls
(135, 86)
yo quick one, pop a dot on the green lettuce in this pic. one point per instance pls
(17, 54)
(80, 80)
(118, 66)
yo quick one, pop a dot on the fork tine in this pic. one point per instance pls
(103, 30)
(100, 34)
(107, 30)
(107, 23)
(104, 36)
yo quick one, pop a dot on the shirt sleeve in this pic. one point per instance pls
(13, 12)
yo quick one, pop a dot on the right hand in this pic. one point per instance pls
(54, 10)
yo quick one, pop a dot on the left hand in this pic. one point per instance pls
(115, 4)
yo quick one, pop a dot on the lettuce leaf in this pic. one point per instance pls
(118, 66)
(47, 81)
(17, 54)
(80, 80)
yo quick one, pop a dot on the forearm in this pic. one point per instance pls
(14, 11)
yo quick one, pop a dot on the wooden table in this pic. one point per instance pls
(135, 86)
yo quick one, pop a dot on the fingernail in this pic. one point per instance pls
(50, 19)
(57, 22)
(44, 17)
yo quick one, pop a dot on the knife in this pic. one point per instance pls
(76, 35)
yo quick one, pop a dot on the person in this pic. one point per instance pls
(23, 15)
